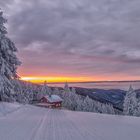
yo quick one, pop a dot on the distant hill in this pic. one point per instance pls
(112, 96)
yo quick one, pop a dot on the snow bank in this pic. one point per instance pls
(6, 108)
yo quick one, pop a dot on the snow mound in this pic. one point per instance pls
(6, 108)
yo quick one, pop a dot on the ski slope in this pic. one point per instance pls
(25, 122)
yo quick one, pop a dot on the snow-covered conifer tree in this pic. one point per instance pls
(130, 103)
(45, 90)
(67, 97)
(109, 109)
(79, 103)
(138, 109)
(29, 92)
(73, 98)
(88, 104)
(66, 88)
(8, 62)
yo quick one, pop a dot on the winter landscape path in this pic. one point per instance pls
(35, 123)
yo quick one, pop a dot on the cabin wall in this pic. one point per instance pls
(44, 100)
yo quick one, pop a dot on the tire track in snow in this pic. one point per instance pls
(62, 128)
(39, 128)
(45, 128)
(22, 125)
(13, 123)
(85, 128)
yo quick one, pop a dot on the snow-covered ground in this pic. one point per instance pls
(6, 108)
(25, 122)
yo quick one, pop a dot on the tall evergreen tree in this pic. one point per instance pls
(46, 90)
(8, 62)
(130, 103)
(66, 88)
(88, 104)
(138, 108)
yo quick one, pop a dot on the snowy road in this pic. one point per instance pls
(34, 123)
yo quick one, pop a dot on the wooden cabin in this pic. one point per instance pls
(52, 101)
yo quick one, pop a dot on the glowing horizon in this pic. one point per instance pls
(35, 79)
(63, 79)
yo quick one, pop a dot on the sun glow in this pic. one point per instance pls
(54, 79)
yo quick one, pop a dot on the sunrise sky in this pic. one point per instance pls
(75, 40)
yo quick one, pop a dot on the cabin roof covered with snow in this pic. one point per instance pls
(53, 98)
